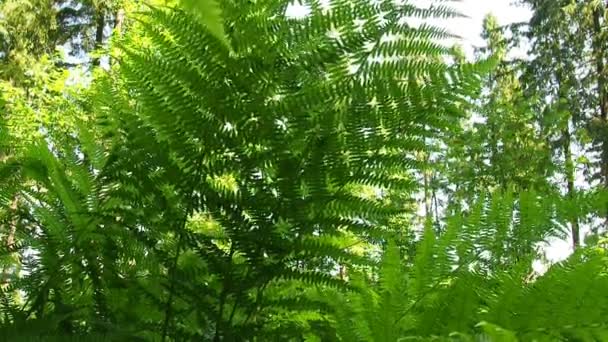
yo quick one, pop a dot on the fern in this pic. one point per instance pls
(209, 181)
(268, 140)
(244, 174)
(468, 303)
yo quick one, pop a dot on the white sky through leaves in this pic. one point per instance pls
(470, 28)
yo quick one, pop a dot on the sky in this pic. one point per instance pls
(470, 28)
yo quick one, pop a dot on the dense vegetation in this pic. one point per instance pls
(332, 171)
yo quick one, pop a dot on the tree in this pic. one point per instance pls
(571, 63)
(501, 144)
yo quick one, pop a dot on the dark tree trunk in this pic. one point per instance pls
(99, 28)
(600, 67)
(570, 174)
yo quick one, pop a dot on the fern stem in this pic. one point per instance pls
(178, 247)
(258, 299)
(223, 295)
(237, 299)
(169, 305)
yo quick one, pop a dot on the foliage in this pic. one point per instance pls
(240, 172)
(446, 293)
(571, 62)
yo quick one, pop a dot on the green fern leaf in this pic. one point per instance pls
(209, 13)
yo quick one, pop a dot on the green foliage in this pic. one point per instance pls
(210, 15)
(215, 187)
(501, 145)
(425, 300)
(572, 61)
(271, 139)
(240, 173)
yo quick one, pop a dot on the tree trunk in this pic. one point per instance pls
(343, 272)
(600, 67)
(563, 93)
(100, 26)
(119, 20)
(427, 192)
(570, 174)
(435, 202)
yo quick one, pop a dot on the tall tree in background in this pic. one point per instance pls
(516, 147)
(31, 29)
(87, 24)
(501, 145)
(32, 69)
(28, 35)
(566, 72)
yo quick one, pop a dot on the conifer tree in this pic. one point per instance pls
(567, 74)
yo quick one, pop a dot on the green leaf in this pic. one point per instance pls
(209, 13)
(496, 333)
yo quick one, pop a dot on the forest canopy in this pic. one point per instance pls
(227, 170)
